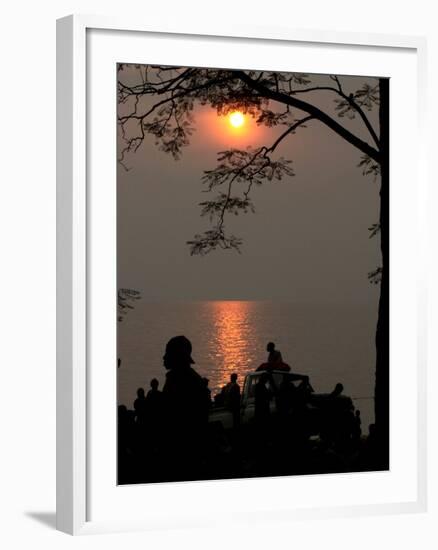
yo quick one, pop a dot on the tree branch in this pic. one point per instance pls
(290, 130)
(350, 100)
(286, 99)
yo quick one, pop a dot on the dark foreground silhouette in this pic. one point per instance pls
(276, 425)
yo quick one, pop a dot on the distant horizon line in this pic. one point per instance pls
(151, 300)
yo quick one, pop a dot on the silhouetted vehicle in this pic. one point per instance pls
(317, 410)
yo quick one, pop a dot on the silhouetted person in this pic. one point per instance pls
(119, 362)
(232, 398)
(338, 417)
(154, 404)
(184, 388)
(186, 407)
(154, 399)
(275, 360)
(140, 406)
(274, 356)
(154, 416)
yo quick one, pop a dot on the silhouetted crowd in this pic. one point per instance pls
(172, 435)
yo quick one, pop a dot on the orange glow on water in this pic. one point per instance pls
(233, 337)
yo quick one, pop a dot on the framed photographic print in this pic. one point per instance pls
(240, 289)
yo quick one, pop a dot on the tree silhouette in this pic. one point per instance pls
(125, 298)
(160, 102)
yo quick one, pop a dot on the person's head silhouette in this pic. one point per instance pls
(154, 384)
(339, 388)
(178, 353)
(140, 392)
(233, 377)
(270, 347)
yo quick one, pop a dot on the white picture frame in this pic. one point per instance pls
(78, 206)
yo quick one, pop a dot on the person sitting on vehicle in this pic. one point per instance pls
(275, 360)
(274, 355)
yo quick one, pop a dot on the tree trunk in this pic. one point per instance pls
(382, 332)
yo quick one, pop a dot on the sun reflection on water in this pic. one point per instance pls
(233, 339)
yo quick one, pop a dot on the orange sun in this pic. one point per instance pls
(236, 119)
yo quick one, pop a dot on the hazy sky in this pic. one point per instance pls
(308, 240)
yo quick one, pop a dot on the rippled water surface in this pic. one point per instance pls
(329, 343)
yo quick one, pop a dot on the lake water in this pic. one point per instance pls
(329, 343)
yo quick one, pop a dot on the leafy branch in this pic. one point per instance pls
(125, 299)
